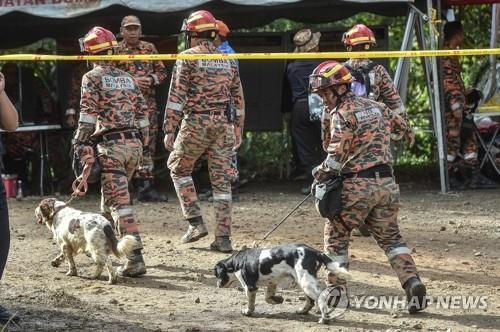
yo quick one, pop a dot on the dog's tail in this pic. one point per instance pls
(120, 248)
(335, 267)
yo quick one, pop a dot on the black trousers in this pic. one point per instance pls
(307, 136)
(4, 229)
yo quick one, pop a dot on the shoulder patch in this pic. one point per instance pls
(368, 115)
(214, 64)
(117, 82)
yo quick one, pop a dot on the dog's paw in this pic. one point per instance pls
(247, 312)
(112, 281)
(72, 273)
(275, 299)
(55, 263)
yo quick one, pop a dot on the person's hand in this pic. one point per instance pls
(2, 83)
(410, 137)
(145, 82)
(237, 137)
(168, 141)
(71, 121)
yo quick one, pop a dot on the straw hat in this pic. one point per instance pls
(305, 40)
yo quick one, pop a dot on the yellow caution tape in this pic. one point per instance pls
(253, 56)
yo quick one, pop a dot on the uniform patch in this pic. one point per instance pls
(117, 83)
(214, 64)
(368, 115)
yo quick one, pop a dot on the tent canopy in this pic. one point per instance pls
(26, 21)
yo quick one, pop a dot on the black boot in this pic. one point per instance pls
(147, 192)
(479, 181)
(7, 317)
(415, 295)
(134, 266)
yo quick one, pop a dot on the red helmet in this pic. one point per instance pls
(199, 21)
(329, 73)
(359, 34)
(96, 40)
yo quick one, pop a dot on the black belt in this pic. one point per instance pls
(382, 171)
(120, 135)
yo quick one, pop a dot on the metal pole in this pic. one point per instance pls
(493, 44)
(443, 172)
(405, 45)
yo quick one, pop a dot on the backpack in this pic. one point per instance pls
(361, 86)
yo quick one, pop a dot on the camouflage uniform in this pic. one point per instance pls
(382, 89)
(360, 139)
(156, 70)
(201, 90)
(455, 106)
(111, 110)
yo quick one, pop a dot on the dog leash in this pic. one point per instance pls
(256, 244)
(80, 185)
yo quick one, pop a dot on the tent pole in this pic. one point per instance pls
(405, 46)
(493, 44)
(443, 172)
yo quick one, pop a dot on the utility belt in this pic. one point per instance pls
(118, 134)
(381, 171)
(229, 112)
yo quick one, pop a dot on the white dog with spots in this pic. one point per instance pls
(76, 232)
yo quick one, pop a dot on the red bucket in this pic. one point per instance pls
(10, 184)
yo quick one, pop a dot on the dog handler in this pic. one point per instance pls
(9, 122)
(114, 113)
(359, 151)
(202, 94)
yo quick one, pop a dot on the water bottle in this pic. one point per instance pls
(19, 189)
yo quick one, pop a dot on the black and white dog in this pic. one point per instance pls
(268, 267)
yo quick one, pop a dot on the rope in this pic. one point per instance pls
(80, 185)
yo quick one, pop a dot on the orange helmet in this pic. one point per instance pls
(199, 21)
(358, 35)
(223, 28)
(96, 40)
(329, 73)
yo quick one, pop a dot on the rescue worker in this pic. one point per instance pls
(148, 75)
(305, 132)
(359, 150)
(380, 87)
(206, 95)
(113, 112)
(462, 145)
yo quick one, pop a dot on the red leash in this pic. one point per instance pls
(80, 184)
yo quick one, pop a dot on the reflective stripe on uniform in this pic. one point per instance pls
(87, 118)
(332, 164)
(239, 112)
(175, 106)
(222, 196)
(124, 211)
(143, 123)
(341, 259)
(397, 251)
(155, 79)
(450, 158)
(456, 106)
(182, 181)
(470, 155)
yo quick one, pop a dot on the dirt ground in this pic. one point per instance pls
(455, 238)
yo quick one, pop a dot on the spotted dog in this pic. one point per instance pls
(76, 232)
(295, 263)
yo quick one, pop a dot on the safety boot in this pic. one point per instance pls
(134, 266)
(479, 181)
(147, 192)
(222, 244)
(196, 230)
(415, 295)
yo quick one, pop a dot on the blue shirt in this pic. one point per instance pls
(297, 74)
(227, 49)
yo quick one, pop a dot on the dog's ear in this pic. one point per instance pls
(219, 270)
(47, 207)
